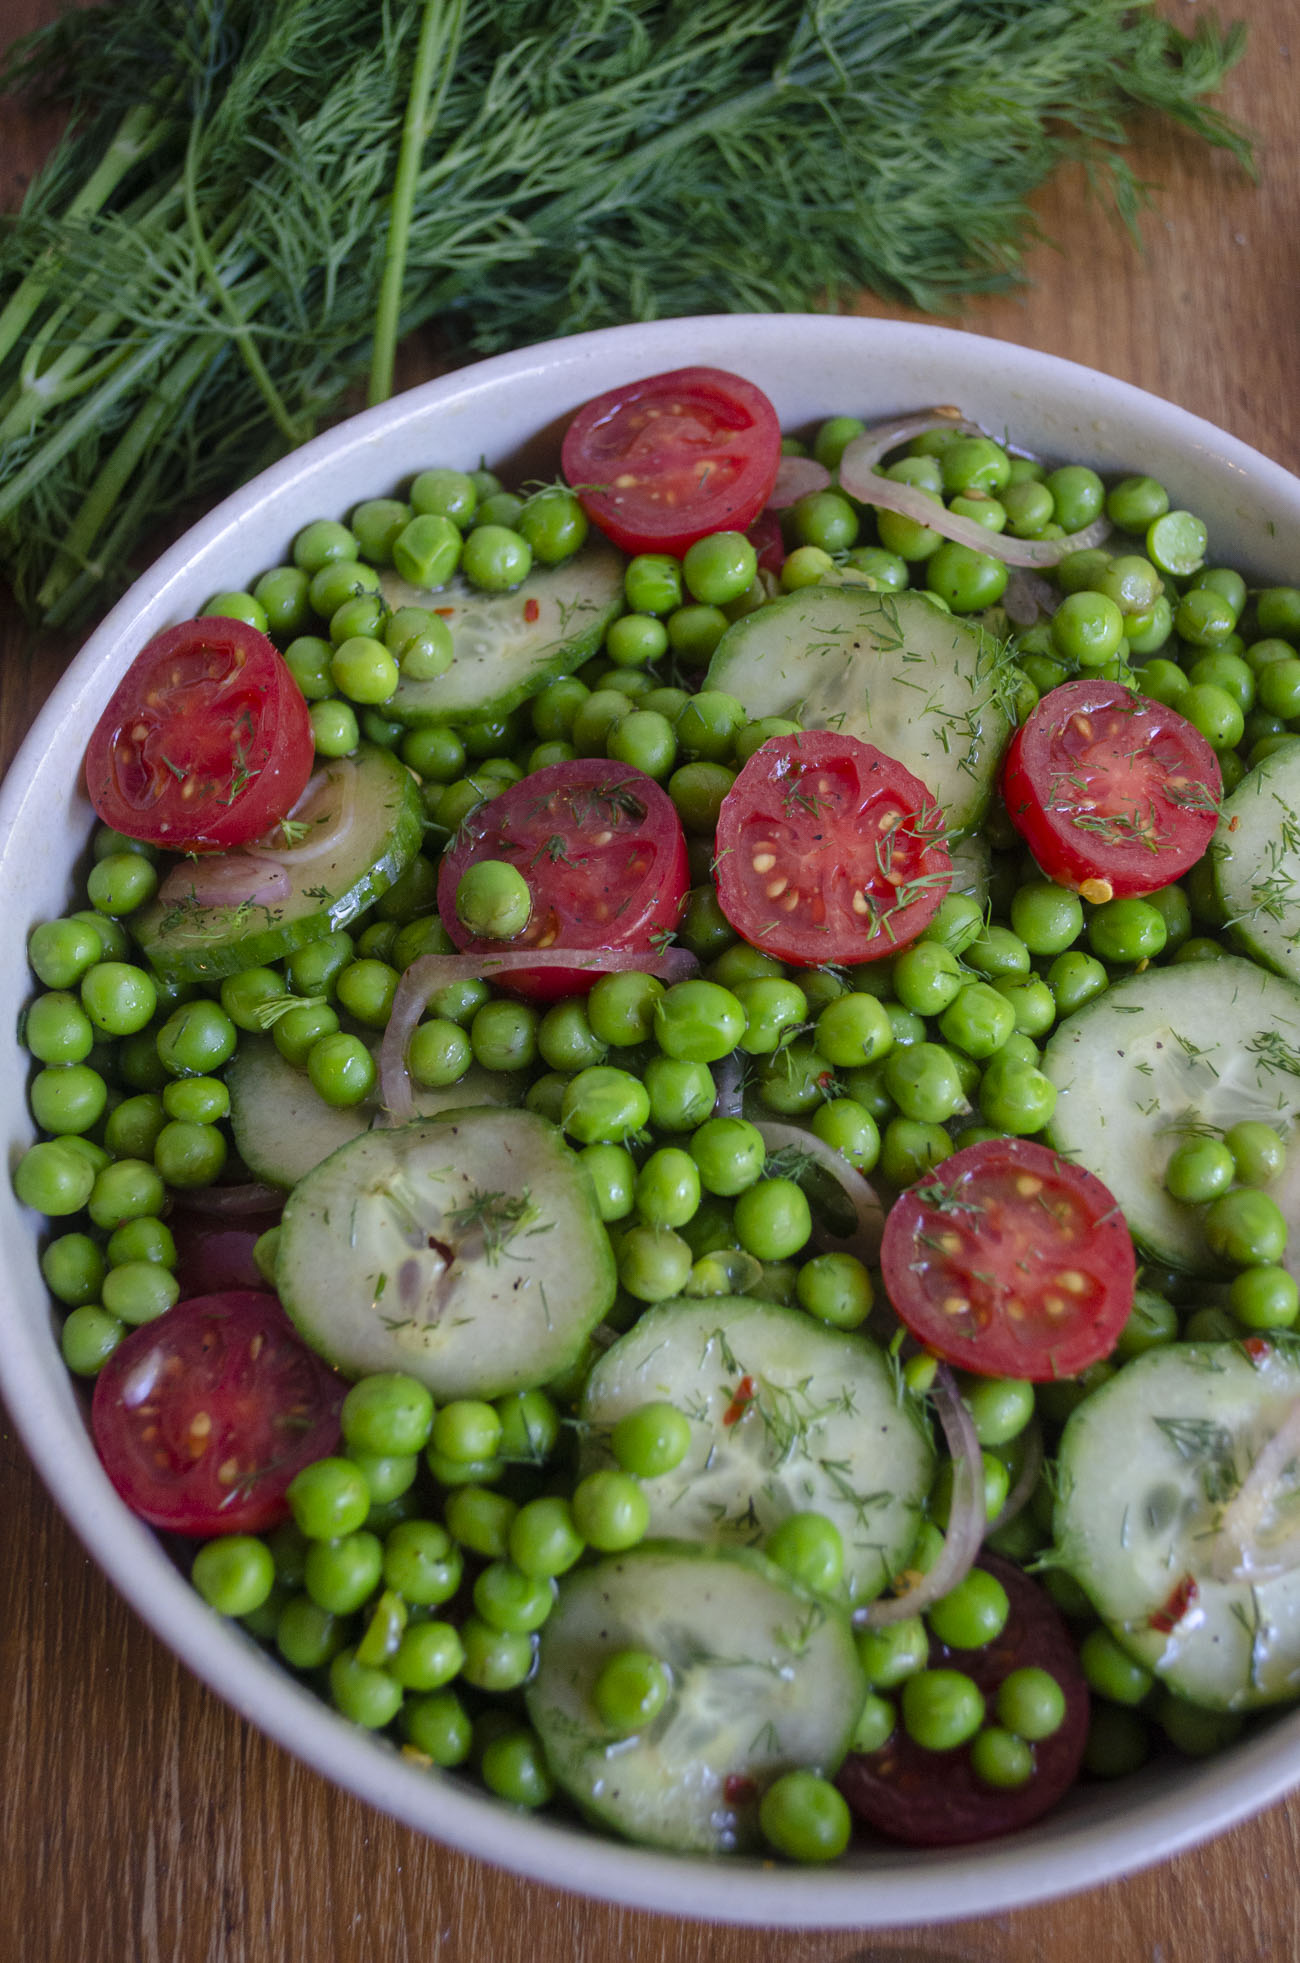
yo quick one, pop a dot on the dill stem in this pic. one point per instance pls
(39, 391)
(104, 494)
(136, 135)
(243, 337)
(437, 37)
(129, 519)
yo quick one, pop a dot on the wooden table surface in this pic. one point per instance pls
(141, 1818)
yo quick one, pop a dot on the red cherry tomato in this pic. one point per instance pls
(1010, 1262)
(934, 1799)
(205, 743)
(603, 852)
(1112, 793)
(828, 850)
(660, 462)
(203, 1417)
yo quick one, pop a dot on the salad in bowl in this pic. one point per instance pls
(661, 1055)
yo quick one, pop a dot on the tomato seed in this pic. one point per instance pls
(775, 887)
(228, 1472)
(764, 861)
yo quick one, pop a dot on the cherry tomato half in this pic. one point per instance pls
(203, 1417)
(660, 462)
(205, 743)
(935, 1799)
(828, 850)
(602, 850)
(1112, 793)
(1010, 1262)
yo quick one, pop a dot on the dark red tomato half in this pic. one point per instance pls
(828, 850)
(1112, 793)
(934, 1799)
(604, 855)
(662, 461)
(205, 743)
(213, 1254)
(1010, 1262)
(203, 1417)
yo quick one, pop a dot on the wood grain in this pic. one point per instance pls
(139, 1817)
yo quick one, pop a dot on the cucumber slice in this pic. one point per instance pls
(1148, 1464)
(1256, 858)
(187, 941)
(282, 1126)
(508, 645)
(1161, 1054)
(764, 1679)
(888, 668)
(825, 1430)
(466, 1250)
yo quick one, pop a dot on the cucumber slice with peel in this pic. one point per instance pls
(889, 668)
(1256, 858)
(1155, 1516)
(764, 1679)
(282, 1126)
(1158, 1057)
(467, 1251)
(786, 1416)
(357, 826)
(508, 645)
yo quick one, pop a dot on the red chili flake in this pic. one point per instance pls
(444, 613)
(1256, 1348)
(738, 1789)
(1233, 824)
(745, 1393)
(531, 609)
(1176, 1607)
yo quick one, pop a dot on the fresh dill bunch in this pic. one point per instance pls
(256, 197)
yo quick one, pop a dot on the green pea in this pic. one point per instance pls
(1127, 931)
(88, 1338)
(1246, 1229)
(1199, 1170)
(1111, 1671)
(654, 1263)
(610, 1511)
(1258, 1152)
(630, 1690)
(809, 1547)
(971, 1614)
(698, 1022)
(1001, 1760)
(1030, 1703)
(234, 1573)
(805, 1817)
(941, 1709)
(1262, 1298)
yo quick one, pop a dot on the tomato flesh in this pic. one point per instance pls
(1114, 794)
(602, 850)
(662, 461)
(935, 1799)
(1010, 1262)
(202, 1417)
(206, 742)
(829, 851)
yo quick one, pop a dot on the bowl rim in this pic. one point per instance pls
(1057, 1858)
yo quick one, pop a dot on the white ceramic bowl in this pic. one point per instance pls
(511, 410)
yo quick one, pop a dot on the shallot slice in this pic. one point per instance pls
(865, 484)
(796, 477)
(1026, 1479)
(877, 441)
(1029, 598)
(230, 879)
(322, 839)
(869, 1217)
(432, 972)
(967, 1519)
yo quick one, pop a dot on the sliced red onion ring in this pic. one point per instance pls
(230, 879)
(1026, 1479)
(1029, 598)
(795, 478)
(231, 1202)
(432, 972)
(323, 839)
(869, 1216)
(1236, 1552)
(966, 1518)
(869, 487)
(729, 1081)
(877, 441)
